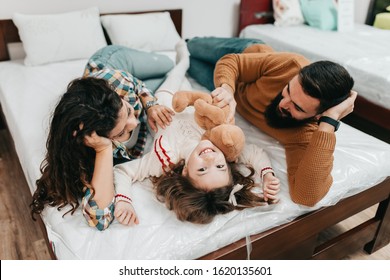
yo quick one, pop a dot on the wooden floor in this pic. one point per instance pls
(22, 238)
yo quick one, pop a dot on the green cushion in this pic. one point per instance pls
(320, 14)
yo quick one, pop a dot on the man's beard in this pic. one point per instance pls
(275, 119)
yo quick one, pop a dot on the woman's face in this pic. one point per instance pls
(207, 167)
(125, 123)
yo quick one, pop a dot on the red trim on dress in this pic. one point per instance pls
(164, 151)
(158, 155)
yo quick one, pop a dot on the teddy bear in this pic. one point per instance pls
(228, 137)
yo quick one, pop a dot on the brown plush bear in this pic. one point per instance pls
(228, 137)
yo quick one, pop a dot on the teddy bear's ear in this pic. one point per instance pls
(230, 139)
(230, 151)
(227, 138)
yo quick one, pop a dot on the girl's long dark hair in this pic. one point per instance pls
(199, 206)
(88, 105)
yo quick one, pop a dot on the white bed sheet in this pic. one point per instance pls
(29, 94)
(364, 52)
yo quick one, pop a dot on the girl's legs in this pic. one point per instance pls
(175, 79)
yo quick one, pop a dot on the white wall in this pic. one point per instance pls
(200, 17)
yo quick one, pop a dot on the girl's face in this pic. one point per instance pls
(207, 167)
(126, 122)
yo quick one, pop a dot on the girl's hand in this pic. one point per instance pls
(271, 187)
(125, 213)
(159, 115)
(98, 143)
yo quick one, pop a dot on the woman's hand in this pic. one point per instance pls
(271, 187)
(159, 115)
(224, 96)
(125, 213)
(98, 143)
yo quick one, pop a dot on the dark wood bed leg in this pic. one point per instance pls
(2, 119)
(382, 237)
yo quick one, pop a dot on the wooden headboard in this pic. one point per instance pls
(9, 32)
(255, 12)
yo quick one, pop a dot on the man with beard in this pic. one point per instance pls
(298, 103)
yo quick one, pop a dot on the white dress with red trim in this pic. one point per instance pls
(173, 144)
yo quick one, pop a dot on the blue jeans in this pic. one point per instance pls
(206, 51)
(149, 67)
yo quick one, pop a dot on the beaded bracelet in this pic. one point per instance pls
(121, 197)
(266, 170)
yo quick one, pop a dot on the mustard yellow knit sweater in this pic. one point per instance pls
(257, 76)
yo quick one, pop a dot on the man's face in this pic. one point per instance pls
(292, 107)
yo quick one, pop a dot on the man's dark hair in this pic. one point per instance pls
(327, 81)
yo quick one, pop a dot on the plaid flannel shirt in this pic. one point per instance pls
(99, 218)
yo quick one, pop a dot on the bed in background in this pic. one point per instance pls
(364, 52)
(281, 231)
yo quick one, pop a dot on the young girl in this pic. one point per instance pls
(101, 119)
(193, 177)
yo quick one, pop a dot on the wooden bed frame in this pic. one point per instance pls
(296, 239)
(367, 116)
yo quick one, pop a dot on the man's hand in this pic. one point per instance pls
(125, 213)
(224, 96)
(339, 111)
(159, 115)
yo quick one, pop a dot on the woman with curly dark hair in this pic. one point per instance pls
(89, 128)
(102, 119)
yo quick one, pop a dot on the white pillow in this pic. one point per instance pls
(59, 37)
(147, 32)
(287, 12)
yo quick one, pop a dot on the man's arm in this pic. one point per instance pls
(309, 150)
(310, 158)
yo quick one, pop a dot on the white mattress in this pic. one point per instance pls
(29, 94)
(364, 52)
